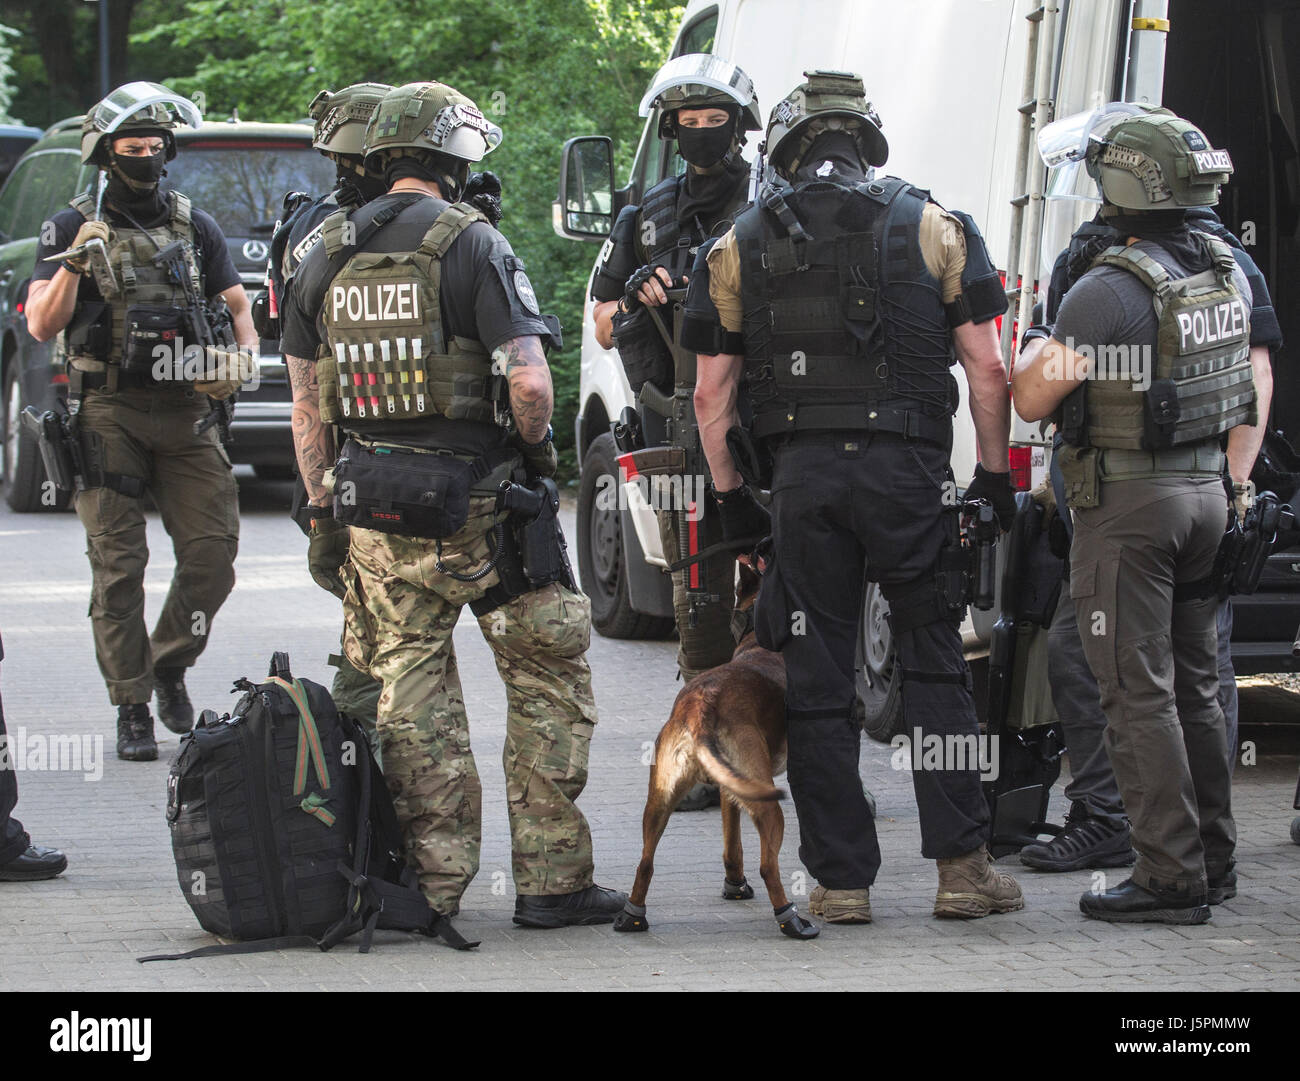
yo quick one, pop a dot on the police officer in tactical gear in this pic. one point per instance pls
(1097, 832)
(340, 119)
(706, 105)
(136, 408)
(840, 301)
(416, 330)
(1148, 365)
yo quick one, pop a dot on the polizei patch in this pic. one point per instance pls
(375, 303)
(1200, 328)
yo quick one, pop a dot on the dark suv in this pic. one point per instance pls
(238, 172)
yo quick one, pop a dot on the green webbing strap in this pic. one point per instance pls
(309, 744)
(1147, 270)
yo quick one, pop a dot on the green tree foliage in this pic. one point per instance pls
(544, 70)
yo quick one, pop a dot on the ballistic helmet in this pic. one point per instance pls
(428, 117)
(341, 117)
(135, 109)
(1143, 157)
(828, 101)
(702, 81)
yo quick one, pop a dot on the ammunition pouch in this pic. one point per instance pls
(147, 328)
(90, 333)
(533, 552)
(408, 492)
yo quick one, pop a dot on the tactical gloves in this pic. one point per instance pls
(642, 276)
(741, 515)
(91, 230)
(229, 369)
(327, 551)
(996, 488)
(539, 458)
(484, 192)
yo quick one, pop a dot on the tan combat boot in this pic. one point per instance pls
(840, 906)
(970, 887)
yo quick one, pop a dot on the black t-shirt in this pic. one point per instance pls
(484, 296)
(218, 269)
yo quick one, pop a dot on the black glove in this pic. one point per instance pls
(483, 190)
(742, 516)
(631, 291)
(996, 488)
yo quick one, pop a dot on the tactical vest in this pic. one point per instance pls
(844, 326)
(130, 255)
(1201, 383)
(386, 355)
(660, 237)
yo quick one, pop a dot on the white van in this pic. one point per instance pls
(961, 86)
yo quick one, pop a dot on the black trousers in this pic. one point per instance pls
(13, 841)
(847, 507)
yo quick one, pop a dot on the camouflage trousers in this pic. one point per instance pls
(149, 435)
(400, 612)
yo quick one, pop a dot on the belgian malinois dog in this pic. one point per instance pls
(727, 726)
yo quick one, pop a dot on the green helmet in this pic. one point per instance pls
(1156, 160)
(701, 81)
(428, 117)
(135, 109)
(828, 101)
(341, 117)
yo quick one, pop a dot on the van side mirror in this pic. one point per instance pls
(585, 207)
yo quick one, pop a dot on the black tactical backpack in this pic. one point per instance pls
(283, 831)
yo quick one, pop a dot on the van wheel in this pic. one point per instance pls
(22, 468)
(600, 552)
(880, 690)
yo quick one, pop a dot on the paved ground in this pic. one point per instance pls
(119, 898)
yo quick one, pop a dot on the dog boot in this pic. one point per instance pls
(840, 906)
(135, 741)
(174, 708)
(970, 887)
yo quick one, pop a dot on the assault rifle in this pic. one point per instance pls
(203, 326)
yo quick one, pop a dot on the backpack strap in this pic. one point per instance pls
(310, 751)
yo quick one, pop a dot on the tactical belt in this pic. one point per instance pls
(1205, 460)
(85, 373)
(855, 418)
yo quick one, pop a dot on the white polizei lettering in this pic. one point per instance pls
(1200, 326)
(354, 294)
(1184, 327)
(338, 296)
(368, 315)
(387, 292)
(408, 301)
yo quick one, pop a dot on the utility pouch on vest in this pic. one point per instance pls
(645, 356)
(405, 492)
(147, 328)
(90, 333)
(1079, 471)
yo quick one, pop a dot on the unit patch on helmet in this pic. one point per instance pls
(1194, 141)
(787, 112)
(524, 290)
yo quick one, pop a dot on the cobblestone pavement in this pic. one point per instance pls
(119, 898)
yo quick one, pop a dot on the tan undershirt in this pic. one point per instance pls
(943, 247)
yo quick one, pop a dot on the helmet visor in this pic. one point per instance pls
(124, 102)
(700, 69)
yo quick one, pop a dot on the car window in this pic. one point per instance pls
(243, 184)
(699, 36)
(50, 181)
(661, 158)
(12, 147)
(9, 197)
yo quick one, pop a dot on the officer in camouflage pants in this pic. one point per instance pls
(397, 599)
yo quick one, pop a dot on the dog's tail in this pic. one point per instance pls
(724, 774)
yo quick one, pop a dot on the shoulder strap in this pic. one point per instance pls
(1142, 266)
(343, 252)
(453, 221)
(331, 232)
(83, 204)
(181, 216)
(1221, 252)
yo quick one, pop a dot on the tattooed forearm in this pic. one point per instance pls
(531, 396)
(311, 438)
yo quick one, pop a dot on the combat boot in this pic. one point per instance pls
(840, 906)
(581, 908)
(1085, 842)
(970, 887)
(135, 740)
(174, 708)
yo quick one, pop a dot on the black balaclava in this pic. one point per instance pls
(357, 188)
(427, 167)
(839, 148)
(1168, 228)
(133, 182)
(715, 170)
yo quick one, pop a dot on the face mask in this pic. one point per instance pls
(703, 147)
(141, 174)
